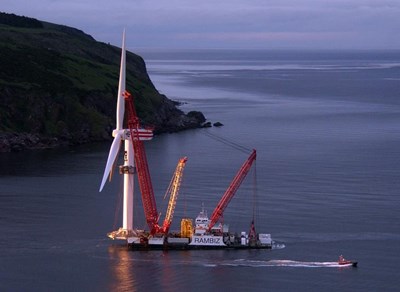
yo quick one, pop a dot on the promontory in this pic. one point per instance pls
(58, 85)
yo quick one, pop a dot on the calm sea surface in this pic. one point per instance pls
(326, 126)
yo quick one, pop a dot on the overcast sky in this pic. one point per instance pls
(267, 24)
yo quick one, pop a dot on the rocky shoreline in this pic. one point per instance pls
(17, 142)
(58, 88)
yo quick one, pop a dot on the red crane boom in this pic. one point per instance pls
(146, 188)
(233, 187)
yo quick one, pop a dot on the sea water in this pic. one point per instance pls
(326, 127)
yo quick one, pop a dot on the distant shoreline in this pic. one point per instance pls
(16, 142)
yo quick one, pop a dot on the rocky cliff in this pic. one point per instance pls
(58, 85)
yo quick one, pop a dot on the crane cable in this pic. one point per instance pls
(225, 141)
(255, 194)
(246, 150)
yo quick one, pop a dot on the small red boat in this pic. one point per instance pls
(343, 262)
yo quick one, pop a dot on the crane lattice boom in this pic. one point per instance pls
(173, 190)
(233, 187)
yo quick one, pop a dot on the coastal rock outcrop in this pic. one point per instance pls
(58, 86)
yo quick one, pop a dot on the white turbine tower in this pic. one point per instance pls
(127, 169)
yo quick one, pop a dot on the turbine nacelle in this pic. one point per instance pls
(125, 134)
(119, 135)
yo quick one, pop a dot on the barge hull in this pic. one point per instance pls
(194, 247)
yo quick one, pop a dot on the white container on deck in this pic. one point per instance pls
(156, 240)
(265, 238)
(177, 240)
(244, 238)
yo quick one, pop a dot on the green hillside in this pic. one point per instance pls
(58, 82)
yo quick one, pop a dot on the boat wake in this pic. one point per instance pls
(277, 245)
(280, 263)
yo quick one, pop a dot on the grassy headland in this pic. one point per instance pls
(59, 85)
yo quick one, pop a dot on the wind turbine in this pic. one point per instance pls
(127, 169)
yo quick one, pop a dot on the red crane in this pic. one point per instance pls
(146, 188)
(233, 187)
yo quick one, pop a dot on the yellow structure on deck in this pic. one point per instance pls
(186, 227)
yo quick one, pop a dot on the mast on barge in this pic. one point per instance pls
(135, 162)
(128, 168)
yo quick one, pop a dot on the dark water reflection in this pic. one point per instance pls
(328, 173)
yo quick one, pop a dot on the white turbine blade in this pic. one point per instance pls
(121, 87)
(111, 158)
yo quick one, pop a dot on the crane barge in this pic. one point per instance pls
(205, 233)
